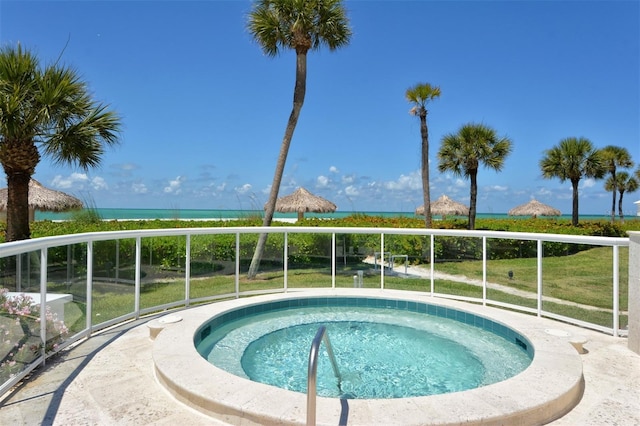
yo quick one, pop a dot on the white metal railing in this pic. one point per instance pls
(34, 253)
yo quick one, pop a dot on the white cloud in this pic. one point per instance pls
(71, 181)
(351, 191)
(98, 183)
(139, 188)
(174, 186)
(128, 166)
(322, 181)
(412, 181)
(498, 188)
(347, 180)
(588, 183)
(334, 169)
(243, 189)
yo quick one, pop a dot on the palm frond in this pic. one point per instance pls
(299, 25)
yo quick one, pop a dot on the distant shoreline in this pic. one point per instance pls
(212, 214)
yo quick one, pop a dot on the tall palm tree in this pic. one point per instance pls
(614, 157)
(46, 112)
(572, 159)
(419, 95)
(624, 182)
(465, 151)
(302, 26)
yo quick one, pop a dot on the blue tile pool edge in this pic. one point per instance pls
(468, 318)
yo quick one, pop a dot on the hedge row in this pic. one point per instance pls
(305, 249)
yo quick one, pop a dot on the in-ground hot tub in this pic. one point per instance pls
(551, 385)
(384, 348)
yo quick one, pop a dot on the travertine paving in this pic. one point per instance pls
(109, 380)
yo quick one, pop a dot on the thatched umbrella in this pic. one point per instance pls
(445, 206)
(534, 208)
(302, 201)
(43, 199)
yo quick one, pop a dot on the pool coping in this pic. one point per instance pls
(550, 387)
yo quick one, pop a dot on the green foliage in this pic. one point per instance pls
(89, 214)
(313, 248)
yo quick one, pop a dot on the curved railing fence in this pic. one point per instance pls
(86, 282)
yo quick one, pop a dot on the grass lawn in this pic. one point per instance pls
(582, 279)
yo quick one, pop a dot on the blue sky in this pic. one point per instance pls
(204, 110)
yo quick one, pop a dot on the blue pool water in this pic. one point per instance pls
(381, 352)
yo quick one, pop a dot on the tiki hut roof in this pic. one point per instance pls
(302, 201)
(44, 199)
(445, 206)
(534, 208)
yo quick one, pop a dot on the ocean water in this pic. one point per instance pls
(205, 214)
(193, 214)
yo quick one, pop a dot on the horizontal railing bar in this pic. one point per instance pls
(18, 247)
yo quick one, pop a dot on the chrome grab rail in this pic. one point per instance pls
(312, 372)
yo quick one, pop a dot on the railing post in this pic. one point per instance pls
(432, 258)
(333, 259)
(187, 271)
(137, 284)
(117, 268)
(634, 292)
(484, 271)
(286, 261)
(616, 291)
(43, 303)
(19, 272)
(381, 261)
(237, 283)
(89, 301)
(69, 266)
(539, 275)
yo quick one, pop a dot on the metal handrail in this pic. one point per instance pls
(312, 372)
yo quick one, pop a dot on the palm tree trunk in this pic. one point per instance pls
(574, 210)
(17, 207)
(473, 175)
(620, 208)
(298, 100)
(613, 203)
(424, 132)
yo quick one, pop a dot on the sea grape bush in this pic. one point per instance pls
(20, 341)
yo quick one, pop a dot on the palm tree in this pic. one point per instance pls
(464, 152)
(299, 25)
(46, 112)
(623, 182)
(572, 159)
(614, 157)
(419, 95)
(626, 183)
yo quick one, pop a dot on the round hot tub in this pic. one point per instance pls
(550, 386)
(383, 348)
